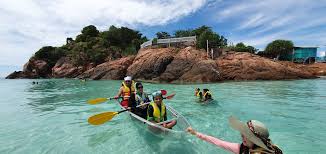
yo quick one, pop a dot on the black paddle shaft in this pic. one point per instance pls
(132, 107)
(123, 111)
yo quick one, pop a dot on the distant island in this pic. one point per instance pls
(190, 56)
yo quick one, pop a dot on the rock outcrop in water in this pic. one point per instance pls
(246, 66)
(175, 65)
(34, 68)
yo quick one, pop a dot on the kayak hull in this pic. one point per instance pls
(178, 131)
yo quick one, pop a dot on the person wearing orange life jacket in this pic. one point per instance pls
(127, 87)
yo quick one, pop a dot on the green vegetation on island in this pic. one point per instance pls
(93, 46)
(278, 49)
(241, 47)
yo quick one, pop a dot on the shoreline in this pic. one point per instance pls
(172, 83)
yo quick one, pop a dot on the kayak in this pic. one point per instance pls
(178, 131)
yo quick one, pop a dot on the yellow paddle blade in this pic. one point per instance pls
(101, 118)
(97, 100)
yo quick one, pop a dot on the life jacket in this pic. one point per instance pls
(126, 90)
(157, 113)
(198, 93)
(141, 98)
(207, 92)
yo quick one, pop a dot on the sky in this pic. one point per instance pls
(27, 25)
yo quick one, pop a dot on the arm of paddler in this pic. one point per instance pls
(119, 93)
(229, 146)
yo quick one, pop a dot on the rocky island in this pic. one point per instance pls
(181, 64)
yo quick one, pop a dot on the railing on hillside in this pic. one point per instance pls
(177, 40)
(146, 44)
(169, 41)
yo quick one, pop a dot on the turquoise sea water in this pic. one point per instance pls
(51, 117)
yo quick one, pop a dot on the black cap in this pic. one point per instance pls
(138, 84)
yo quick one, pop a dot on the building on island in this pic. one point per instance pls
(304, 55)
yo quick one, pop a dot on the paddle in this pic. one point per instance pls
(101, 100)
(169, 97)
(98, 100)
(101, 118)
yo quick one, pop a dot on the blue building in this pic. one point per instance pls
(305, 55)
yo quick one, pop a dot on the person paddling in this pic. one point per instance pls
(127, 87)
(156, 111)
(255, 138)
(141, 98)
(198, 94)
(207, 95)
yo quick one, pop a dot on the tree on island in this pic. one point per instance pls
(163, 35)
(241, 47)
(93, 46)
(279, 48)
(50, 54)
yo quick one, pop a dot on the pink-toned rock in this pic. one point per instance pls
(37, 68)
(22, 75)
(246, 66)
(201, 72)
(65, 68)
(183, 61)
(34, 68)
(114, 70)
(318, 69)
(150, 63)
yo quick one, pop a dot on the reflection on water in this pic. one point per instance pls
(48, 95)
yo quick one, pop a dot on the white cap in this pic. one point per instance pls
(127, 78)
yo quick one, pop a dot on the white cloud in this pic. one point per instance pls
(254, 21)
(125, 11)
(260, 22)
(27, 25)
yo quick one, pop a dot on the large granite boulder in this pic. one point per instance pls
(183, 61)
(150, 63)
(246, 66)
(202, 72)
(38, 67)
(34, 68)
(114, 70)
(65, 68)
